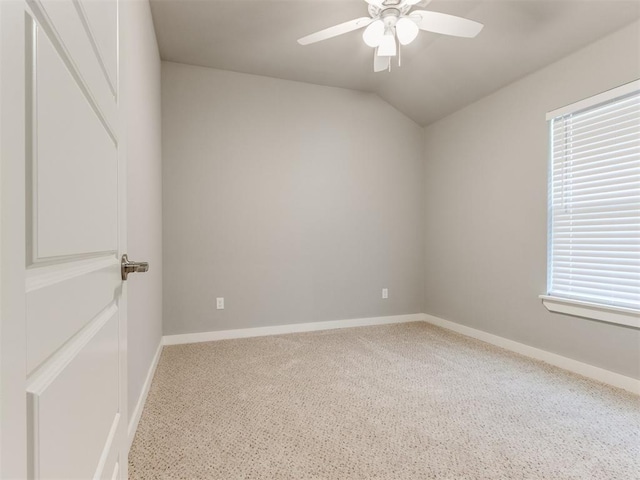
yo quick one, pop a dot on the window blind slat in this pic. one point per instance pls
(599, 292)
(620, 103)
(598, 238)
(631, 278)
(597, 297)
(610, 118)
(585, 264)
(631, 153)
(629, 200)
(624, 272)
(566, 234)
(595, 225)
(600, 213)
(606, 112)
(613, 141)
(616, 163)
(624, 123)
(630, 180)
(611, 193)
(568, 125)
(620, 285)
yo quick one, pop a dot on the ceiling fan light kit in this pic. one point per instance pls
(387, 47)
(406, 30)
(372, 35)
(391, 19)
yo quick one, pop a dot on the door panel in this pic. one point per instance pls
(110, 468)
(70, 217)
(67, 25)
(101, 15)
(74, 409)
(63, 299)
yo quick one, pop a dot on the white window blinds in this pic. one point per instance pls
(594, 196)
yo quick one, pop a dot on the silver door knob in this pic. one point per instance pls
(127, 267)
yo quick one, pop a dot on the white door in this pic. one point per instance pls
(63, 303)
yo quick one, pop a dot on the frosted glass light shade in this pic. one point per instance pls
(387, 46)
(373, 34)
(407, 30)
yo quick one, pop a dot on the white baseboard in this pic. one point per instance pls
(137, 412)
(584, 369)
(291, 328)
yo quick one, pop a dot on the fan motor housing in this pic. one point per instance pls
(391, 8)
(390, 16)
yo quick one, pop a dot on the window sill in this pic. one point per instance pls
(603, 313)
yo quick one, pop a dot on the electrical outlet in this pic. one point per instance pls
(220, 303)
(385, 293)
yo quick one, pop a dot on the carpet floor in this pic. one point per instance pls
(406, 401)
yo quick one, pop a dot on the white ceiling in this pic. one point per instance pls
(439, 74)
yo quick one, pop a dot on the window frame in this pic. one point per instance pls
(595, 311)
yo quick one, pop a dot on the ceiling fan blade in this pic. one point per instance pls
(445, 24)
(336, 30)
(376, 3)
(380, 64)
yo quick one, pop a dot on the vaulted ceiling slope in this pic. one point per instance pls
(439, 74)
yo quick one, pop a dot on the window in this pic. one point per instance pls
(594, 207)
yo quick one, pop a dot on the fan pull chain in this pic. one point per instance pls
(399, 54)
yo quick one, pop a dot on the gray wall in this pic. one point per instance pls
(486, 209)
(295, 202)
(144, 193)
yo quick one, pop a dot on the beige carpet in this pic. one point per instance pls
(408, 401)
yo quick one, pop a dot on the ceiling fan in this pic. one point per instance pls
(391, 19)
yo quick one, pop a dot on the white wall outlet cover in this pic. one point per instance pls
(220, 303)
(385, 293)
